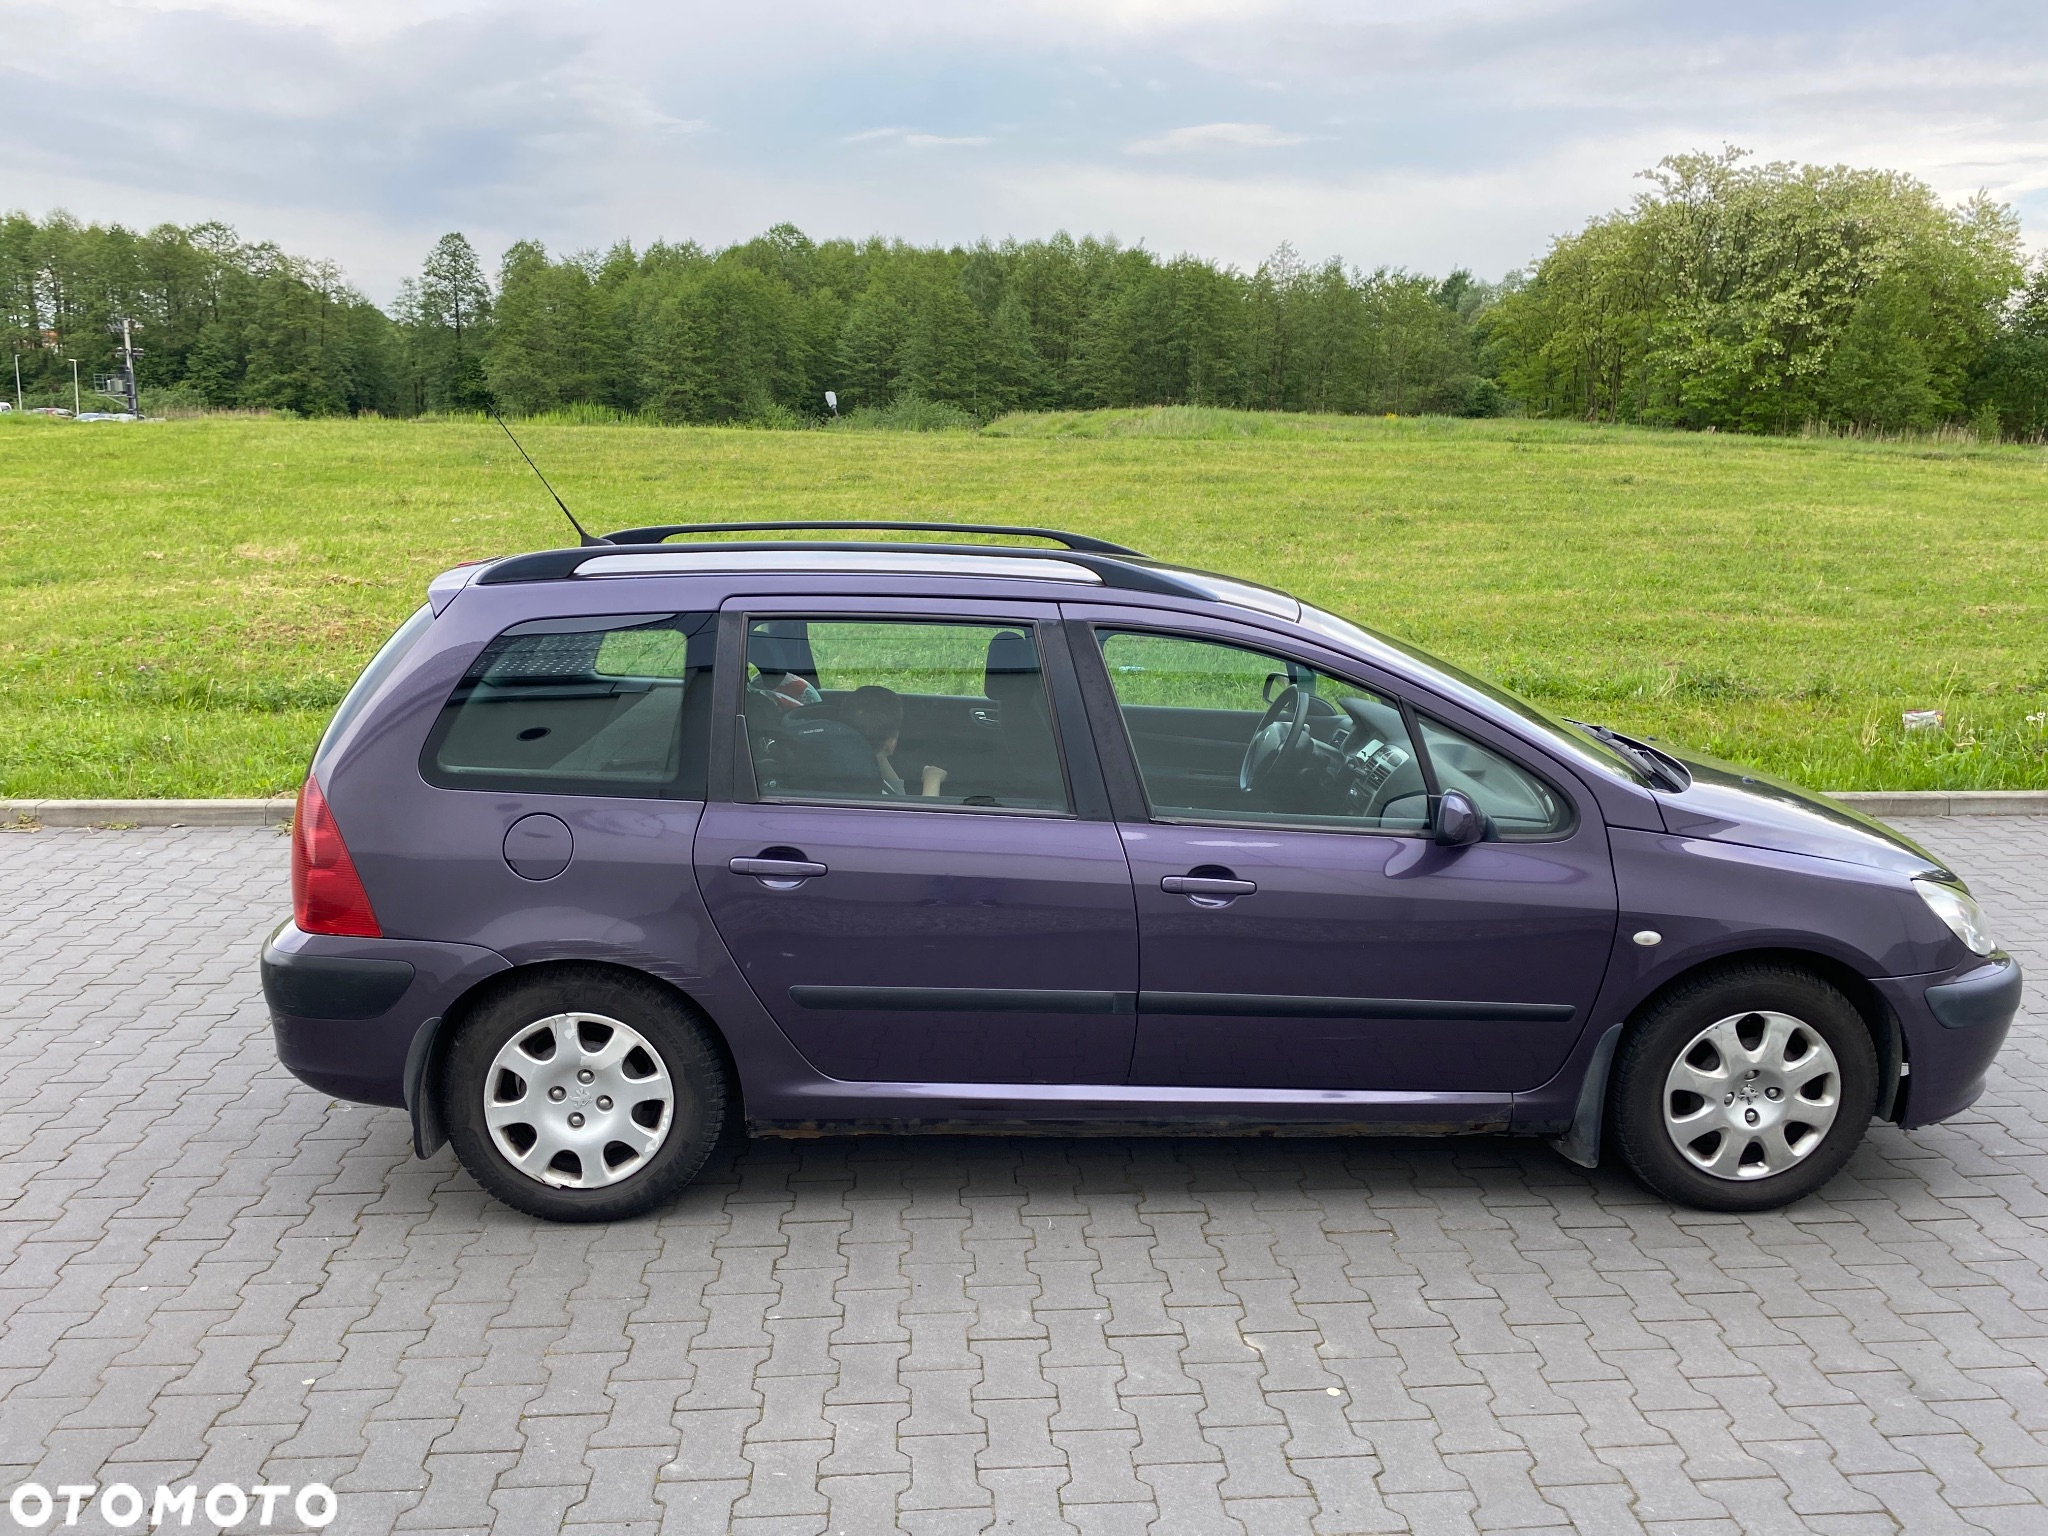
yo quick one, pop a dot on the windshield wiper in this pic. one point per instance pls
(1654, 765)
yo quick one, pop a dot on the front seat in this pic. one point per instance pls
(783, 673)
(1030, 761)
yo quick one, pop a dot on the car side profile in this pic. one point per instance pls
(615, 849)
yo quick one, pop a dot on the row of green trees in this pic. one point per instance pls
(225, 323)
(1766, 297)
(766, 328)
(1729, 295)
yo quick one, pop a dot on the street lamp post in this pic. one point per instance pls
(128, 350)
(76, 408)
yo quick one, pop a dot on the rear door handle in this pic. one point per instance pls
(777, 871)
(1205, 885)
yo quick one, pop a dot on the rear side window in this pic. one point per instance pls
(901, 712)
(612, 704)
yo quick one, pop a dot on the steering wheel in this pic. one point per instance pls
(1279, 736)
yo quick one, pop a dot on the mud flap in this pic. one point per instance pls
(1581, 1144)
(428, 1134)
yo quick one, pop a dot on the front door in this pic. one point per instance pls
(1298, 927)
(908, 883)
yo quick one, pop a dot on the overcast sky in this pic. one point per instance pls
(1411, 134)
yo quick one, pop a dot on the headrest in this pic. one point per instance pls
(773, 653)
(1010, 652)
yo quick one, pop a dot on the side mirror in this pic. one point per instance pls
(1458, 821)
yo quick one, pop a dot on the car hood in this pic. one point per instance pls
(1727, 804)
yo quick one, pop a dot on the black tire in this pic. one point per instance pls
(1650, 1051)
(687, 1055)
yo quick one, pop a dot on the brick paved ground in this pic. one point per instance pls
(210, 1272)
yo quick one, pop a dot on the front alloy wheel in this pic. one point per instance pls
(1751, 1095)
(1745, 1089)
(583, 1094)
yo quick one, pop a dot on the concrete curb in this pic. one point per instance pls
(1946, 802)
(147, 813)
(278, 813)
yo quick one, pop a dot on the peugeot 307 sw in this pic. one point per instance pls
(615, 848)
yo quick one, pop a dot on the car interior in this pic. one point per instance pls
(995, 746)
(605, 706)
(1227, 733)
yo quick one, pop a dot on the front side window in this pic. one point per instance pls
(1563, 736)
(1228, 733)
(901, 712)
(617, 704)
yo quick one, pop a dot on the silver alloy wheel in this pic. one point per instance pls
(1751, 1095)
(578, 1101)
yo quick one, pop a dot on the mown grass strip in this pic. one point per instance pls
(184, 602)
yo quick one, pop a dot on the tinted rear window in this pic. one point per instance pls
(616, 704)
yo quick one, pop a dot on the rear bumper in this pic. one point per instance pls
(345, 1012)
(1953, 1026)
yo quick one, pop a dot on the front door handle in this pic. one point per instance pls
(778, 874)
(1205, 885)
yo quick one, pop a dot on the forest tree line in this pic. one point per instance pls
(1729, 294)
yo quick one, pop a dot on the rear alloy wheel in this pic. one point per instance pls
(578, 1101)
(583, 1095)
(1745, 1090)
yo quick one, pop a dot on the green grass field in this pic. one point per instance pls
(184, 602)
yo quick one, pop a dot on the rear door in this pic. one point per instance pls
(911, 857)
(1304, 930)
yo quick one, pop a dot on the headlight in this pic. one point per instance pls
(1958, 908)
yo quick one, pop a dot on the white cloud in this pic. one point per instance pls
(1212, 136)
(916, 140)
(1420, 135)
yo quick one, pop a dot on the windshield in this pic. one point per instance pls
(1570, 740)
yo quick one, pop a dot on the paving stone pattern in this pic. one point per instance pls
(211, 1272)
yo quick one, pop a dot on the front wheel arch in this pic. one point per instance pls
(1878, 1018)
(429, 1050)
(1581, 1143)
(1761, 987)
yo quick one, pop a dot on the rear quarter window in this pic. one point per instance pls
(615, 704)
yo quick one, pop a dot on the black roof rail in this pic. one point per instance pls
(1129, 573)
(661, 531)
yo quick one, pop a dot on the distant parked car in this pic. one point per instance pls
(611, 846)
(46, 410)
(107, 416)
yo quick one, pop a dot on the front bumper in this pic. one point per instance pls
(1953, 1026)
(345, 1012)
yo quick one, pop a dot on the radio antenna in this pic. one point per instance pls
(582, 533)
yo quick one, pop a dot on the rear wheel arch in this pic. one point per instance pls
(429, 1053)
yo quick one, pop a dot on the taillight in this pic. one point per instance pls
(327, 893)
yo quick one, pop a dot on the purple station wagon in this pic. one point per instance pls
(616, 850)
